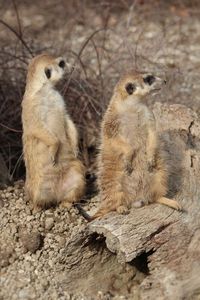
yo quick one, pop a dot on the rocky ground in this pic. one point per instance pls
(35, 258)
(161, 38)
(31, 247)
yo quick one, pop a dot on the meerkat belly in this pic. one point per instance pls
(134, 131)
(68, 181)
(137, 178)
(54, 120)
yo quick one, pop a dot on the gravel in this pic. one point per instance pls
(32, 246)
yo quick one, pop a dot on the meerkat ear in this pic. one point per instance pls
(130, 88)
(48, 72)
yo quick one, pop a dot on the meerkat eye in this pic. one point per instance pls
(130, 88)
(47, 72)
(62, 64)
(149, 79)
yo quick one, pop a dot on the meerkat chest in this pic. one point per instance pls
(52, 110)
(134, 126)
(51, 101)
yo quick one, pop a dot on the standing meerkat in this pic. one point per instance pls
(54, 174)
(133, 168)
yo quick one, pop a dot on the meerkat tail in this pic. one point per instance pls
(169, 202)
(100, 213)
(83, 212)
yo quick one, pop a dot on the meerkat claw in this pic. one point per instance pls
(122, 210)
(151, 164)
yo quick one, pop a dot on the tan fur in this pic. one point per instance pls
(133, 170)
(54, 174)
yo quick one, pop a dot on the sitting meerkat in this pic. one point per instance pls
(54, 174)
(133, 169)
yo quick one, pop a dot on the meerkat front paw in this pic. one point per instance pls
(53, 154)
(151, 164)
(53, 161)
(66, 205)
(129, 168)
(128, 162)
(36, 209)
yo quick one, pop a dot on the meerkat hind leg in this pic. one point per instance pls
(116, 203)
(66, 204)
(122, 209)
(71, 196)
(43, 195)
(72, 187)
(36, 208)
(169, 202)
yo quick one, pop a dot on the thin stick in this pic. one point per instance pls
(11, 129)
(79, 54)
(18, 36)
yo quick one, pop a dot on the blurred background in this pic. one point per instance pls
(100, 40)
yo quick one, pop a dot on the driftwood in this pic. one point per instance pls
(168, 240)
(156, 242)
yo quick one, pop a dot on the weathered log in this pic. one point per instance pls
(169, 240)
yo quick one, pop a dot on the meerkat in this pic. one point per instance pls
(133, 168)
(54, 174)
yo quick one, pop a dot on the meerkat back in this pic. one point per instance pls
(50, 140)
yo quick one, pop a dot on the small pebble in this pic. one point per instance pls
(31, 241)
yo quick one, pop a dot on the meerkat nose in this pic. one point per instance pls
(165, 81)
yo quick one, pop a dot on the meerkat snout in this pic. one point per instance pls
(152, 84)
(149, 79)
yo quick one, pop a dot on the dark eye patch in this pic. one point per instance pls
(62, 64)
(47, 72)
(149, 79)
(130, 88)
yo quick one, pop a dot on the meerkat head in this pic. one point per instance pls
(138, 85)
(45, 69)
